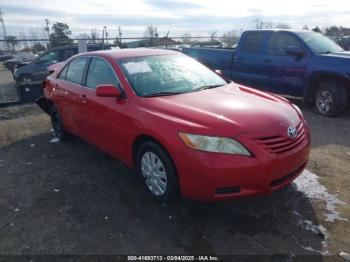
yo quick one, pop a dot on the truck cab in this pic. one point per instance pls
(296, 63)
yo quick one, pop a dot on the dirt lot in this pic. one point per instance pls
(8, 92)
(70, 198)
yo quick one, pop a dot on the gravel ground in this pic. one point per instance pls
(70, 198)
(8, 91)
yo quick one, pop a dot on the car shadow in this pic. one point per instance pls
(74, 199)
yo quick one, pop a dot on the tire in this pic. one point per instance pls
(330, 98)
(58, 126)
(148, 153)
(25, 78)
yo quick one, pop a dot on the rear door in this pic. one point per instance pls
(68, 88)
(248, 66)
(286, 73)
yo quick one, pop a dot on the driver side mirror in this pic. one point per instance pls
(107, 90)
(295, 51)
(219, 72)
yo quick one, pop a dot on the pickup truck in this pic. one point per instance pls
(296, 63)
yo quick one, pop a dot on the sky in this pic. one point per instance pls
(195, 17)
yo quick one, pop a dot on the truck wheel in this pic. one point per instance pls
(156, 168)
(330, 98)
(57, 125)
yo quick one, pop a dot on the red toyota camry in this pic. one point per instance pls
(183, 127)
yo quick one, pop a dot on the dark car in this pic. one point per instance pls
(37, 69)
(344, 42)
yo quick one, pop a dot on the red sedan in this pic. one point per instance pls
(180, 125)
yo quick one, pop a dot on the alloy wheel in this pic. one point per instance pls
(324, 101)
(154, 173)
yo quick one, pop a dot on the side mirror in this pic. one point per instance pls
(294, 51)
(107, 90)
(219, 72)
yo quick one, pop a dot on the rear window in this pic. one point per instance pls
(253, 42)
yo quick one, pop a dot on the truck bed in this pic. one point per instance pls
(215, 58)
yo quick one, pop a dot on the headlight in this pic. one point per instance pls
(298, 109)
(214, 144)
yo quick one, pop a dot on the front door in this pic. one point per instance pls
(104, 118)
(286, 73)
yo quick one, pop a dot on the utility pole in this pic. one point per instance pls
(3, 29)
(120, 34)
(105, 28)
(47, 29)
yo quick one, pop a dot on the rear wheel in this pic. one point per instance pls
(330, 98)
(156, 168)
(58, 126)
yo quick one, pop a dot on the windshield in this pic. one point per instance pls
(168, 75)
(320, 44)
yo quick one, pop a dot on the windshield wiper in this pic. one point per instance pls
(165, 93)
(206, 87)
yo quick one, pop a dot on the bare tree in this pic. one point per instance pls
(230, 37)
(186, 38)
(259, 24)
(212, 35)
(283, 26)
(94, 36)
(150, 33)
(306, 27)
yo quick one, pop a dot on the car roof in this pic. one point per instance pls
(131, 52)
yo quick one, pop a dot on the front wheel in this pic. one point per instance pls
(57, 125)
(158, 172)
(330, 98)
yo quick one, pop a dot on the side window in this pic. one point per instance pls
(67, 54)
(279, 42)
(76, 69)
(63, 73)
(253, 42)
(100, 72)
(50, 57)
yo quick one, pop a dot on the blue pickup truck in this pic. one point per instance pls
(296, 63)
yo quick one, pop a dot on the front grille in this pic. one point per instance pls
(280, 144)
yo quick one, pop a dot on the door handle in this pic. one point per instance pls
(239, 58)
(83, 99)
(266, 60)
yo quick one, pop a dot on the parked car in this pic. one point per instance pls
(5, 56)
(19, 58)
(344, 42)
(37, 69)
(180, 125)
(297, 63)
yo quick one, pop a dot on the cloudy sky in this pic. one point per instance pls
(197, 17)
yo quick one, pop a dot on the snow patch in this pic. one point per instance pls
(308, 184)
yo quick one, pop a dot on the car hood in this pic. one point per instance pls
(228, 110)
(345, 54)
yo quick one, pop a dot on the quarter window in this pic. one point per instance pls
(100, 72)
(253, 42)
(76, 69)
(279, 42)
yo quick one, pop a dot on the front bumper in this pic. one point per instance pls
(215, 177)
